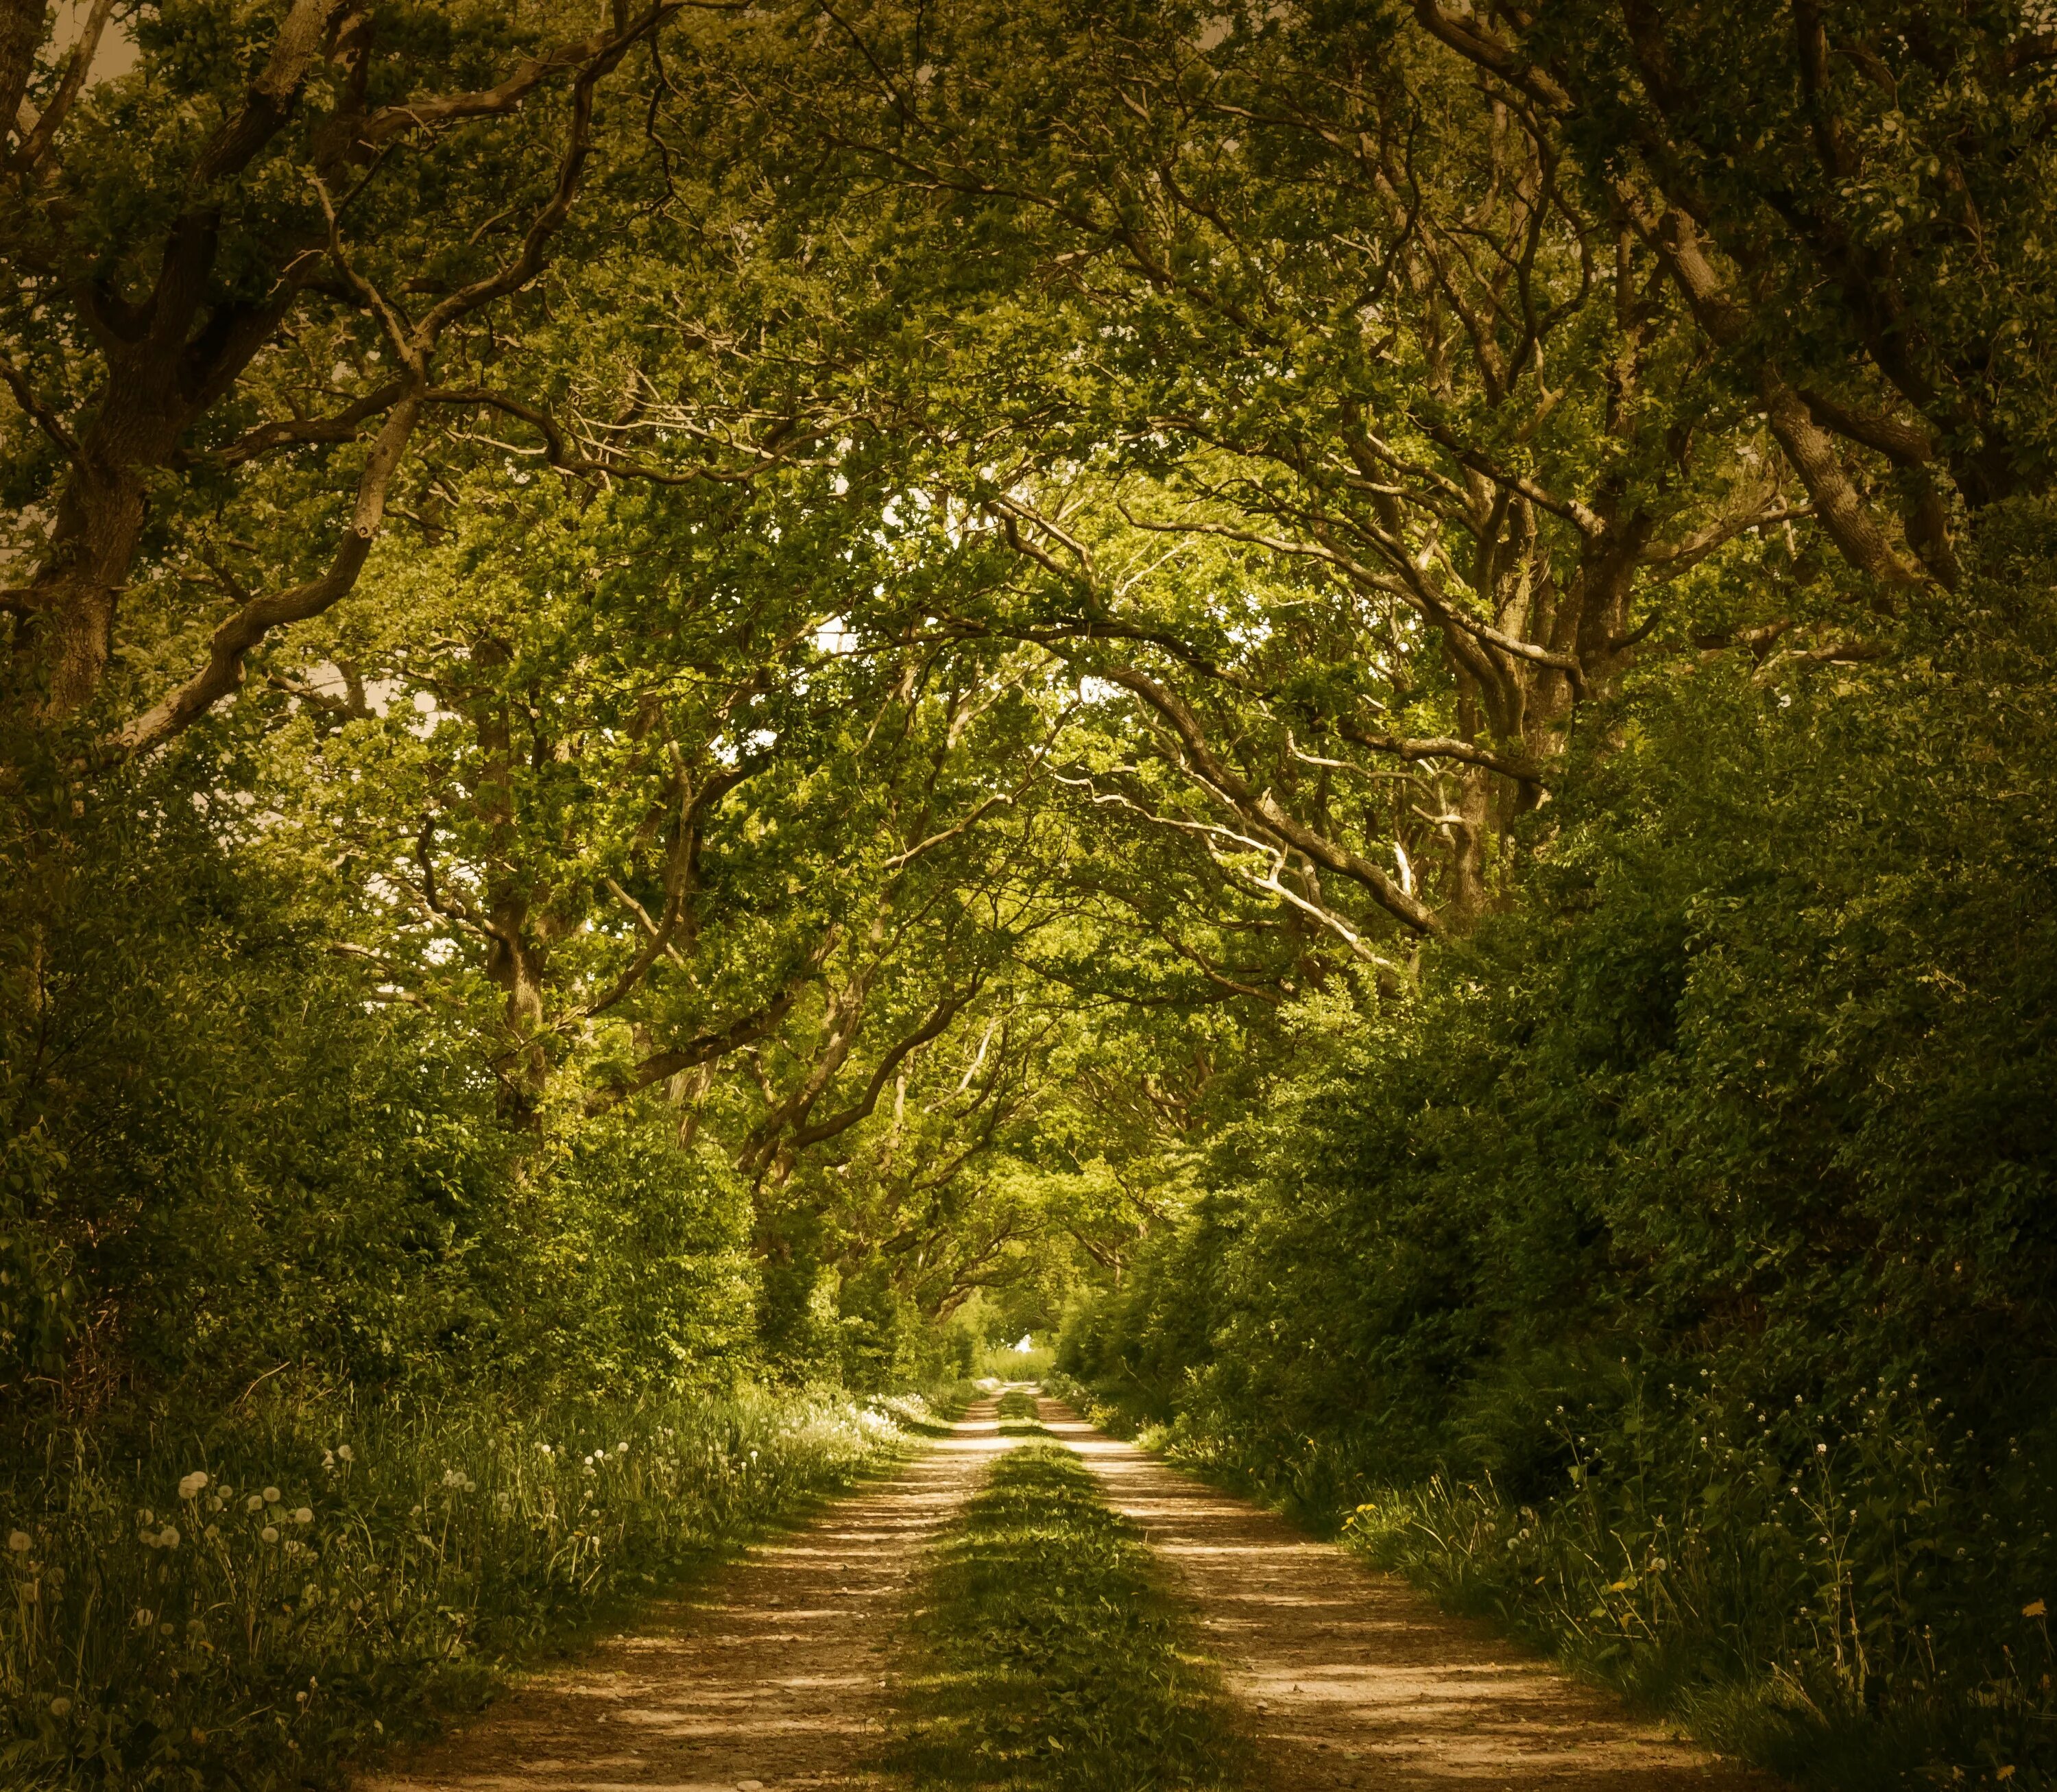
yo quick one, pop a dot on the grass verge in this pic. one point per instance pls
(249, 1610)
(1050, 1658)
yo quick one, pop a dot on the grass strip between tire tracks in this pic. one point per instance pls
(1047, 1653)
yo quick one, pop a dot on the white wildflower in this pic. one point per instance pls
(190, 1485)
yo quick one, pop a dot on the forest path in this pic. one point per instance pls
(771, 1675)
(1352, 1678)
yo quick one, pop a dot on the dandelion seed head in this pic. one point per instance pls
(271, 1496)
(345, 1453)
(20, 1542)
(169, 1537)
(60, 1707)
(255, 1503)
(190, 1485)
(270, 1533)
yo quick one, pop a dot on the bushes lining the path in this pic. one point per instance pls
(1674, 1278)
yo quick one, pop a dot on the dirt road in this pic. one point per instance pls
(773, 1677)
(1352, 1678)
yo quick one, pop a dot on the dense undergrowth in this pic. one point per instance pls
(256, 1606)
(1049, 1654)
(1672, 1280)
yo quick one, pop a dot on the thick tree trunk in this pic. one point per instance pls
(20, 32)
(136, 421)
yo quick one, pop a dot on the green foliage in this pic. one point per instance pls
(1699, 1218)
(1049, 1654)
(257, 1601)
(225, 1162)
(1350, 702)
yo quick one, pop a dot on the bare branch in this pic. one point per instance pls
(41, 414)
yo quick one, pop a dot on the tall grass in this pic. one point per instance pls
(1797, 1582)
(248, 1609)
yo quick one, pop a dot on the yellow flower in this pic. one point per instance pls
(2035, 1608)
